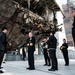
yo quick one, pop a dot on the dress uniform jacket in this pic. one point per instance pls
(3, 43)
(31, 42)
(52, 44)
(31, 49)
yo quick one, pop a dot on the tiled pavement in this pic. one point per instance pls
(19, 68)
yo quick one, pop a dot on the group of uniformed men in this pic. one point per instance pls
(50, 55)
(49, 50)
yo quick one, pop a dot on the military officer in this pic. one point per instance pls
(3, 43)
(45, 52)
(64, 51)
(31, 49)
(73, 28)
(52, 43)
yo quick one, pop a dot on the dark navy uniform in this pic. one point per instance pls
(31, 49)
(52, 43)
(23, 54)
(73, 31)
(46, 55)
(3, 43)
(65, 53)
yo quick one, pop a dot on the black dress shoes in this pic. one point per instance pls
(4, 62)
(51, 69)
(32, 69)
(66, 64)
(45, 65)
(28, 68)
(1, 71)
(56, 69)
(49, 65)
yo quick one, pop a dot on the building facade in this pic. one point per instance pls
(68, 20)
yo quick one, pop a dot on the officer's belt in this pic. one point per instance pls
(52, 49)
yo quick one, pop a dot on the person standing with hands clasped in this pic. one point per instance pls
(64, 51)
(45, 52)
(31, 49)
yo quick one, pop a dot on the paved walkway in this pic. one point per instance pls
(19, 68)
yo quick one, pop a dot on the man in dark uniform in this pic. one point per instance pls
(52, 43)
(45, 52)
(23, 54)
(31, 49)
(3, 43)
(64, 50)
(73, 28)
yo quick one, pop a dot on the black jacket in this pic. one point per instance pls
(65, 46)
(73, 23)
(3, 41)
(31, 42)
(45, 46)
(52, 42)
